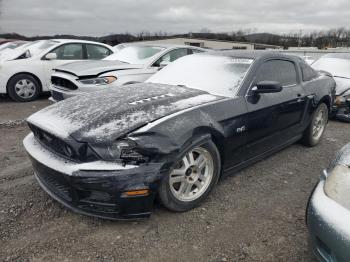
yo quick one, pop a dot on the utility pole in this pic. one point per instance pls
(299, 40)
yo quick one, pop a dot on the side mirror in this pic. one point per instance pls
(267, 87)
(27, 54)
(163, 64)
(51, 56)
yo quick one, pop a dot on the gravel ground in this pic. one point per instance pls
(256, 215)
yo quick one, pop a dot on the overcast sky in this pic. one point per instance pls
(101, 17)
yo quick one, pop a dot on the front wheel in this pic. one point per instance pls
(315, 130)
(192, 178)
(23, 88)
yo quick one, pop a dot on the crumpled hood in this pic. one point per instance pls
(103, 116)
(95, 67)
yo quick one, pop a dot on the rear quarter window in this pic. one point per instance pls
(307, 72)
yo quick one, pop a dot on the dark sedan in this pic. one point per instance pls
(111, 152)
(328, 212)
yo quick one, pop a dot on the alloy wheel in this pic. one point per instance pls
(192, 175)
(319, 124)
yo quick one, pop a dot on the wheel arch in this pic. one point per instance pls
(25, 73)
(217, 138)
(326, 100)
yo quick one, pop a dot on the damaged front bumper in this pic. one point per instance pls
(97, 188)
(341, 110)
(59, 94)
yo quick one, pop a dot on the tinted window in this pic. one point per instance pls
(96, 52)
(69, 52)
(172, 56)
(307, 72)
(278, 70)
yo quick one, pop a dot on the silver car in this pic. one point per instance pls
(132, 64)
(328, 212)
(338, 64)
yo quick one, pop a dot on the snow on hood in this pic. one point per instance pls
(95, 67)
(342, 84)
(335, 66)
(103, 116)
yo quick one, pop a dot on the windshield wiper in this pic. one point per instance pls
(122, 61)
(342, 77)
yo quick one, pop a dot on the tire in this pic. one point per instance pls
(201, 178)
(23, 88)
(315, 130)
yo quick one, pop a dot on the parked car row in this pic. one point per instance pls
(131, 64)
(25, 71)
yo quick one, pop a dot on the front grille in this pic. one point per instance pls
(96, 196)
(54, 181)
(73, 192)
(54, 143)
(62, 82)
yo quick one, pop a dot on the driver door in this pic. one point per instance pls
(273, 118)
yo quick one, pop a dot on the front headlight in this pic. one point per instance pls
(123, 150)
(98, 81)
(337, 185)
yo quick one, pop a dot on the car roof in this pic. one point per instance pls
(160, 45)
(64, 41)
(253, 54)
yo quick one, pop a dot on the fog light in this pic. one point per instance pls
(141, 192)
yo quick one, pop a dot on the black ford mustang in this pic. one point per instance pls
(111, 152)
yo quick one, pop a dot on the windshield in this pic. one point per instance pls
(135, 54)
(337, 66)
(217, 75)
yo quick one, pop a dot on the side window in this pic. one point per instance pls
(69, 52)
(277, 70)
(97, 52)
(308, 73)
(172, 56)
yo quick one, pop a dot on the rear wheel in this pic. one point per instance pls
(23, 88)
(315, 130)
(192, 178)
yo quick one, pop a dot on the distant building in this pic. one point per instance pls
(212, 43)
(305, 48)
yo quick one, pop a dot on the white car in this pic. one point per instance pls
(25, 71)
(134, 63)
